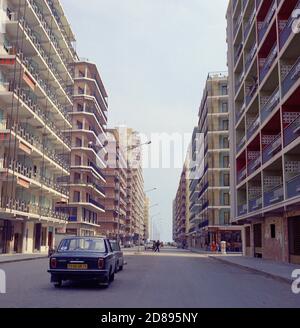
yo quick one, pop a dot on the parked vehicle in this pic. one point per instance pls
(149, 245)
(119, 256)
(83, 259)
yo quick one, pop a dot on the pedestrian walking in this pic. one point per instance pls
(157, 246)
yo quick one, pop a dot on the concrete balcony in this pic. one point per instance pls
(269, 61)
(242, 209)
(287, 30)
(293, 187)
(270, 104)
(241, 175)
(255, 204)
(253, 127)
(272, 149)
(254, 165)
(291, 78)
(292, 131)
(263, 26)
(274, 196)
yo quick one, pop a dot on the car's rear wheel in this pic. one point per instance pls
(112, 277)
(121, 268)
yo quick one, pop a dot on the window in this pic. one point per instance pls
(224, 90)
(79, 125)
(225, 125)
(273, 231)
(226, 218)
(226, 180)
(77, 160)
(77, 177)
(224, 107)
(78, 142)
(226, 161)
(226, 199)
(76, 196)
(82, 244)
(225, 142)
(80, 107)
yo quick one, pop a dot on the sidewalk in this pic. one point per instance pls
(21, 257)
(275, 270)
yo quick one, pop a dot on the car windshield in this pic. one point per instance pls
(82, 244)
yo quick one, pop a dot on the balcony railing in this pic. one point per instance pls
(270, 105)
(241, 175)
(254, 165)
(272, 149)
(27, 207)
(28, 172)
(94, 202)
(242, 209)
(253, 127)
(238, 53)
(203, 224)
(291, 78)
(241, 144)
(292, 131)
(239, 113)
(293, 187)
(255, 204)
(287, 30)
(249, 24)
(273, 196)
(251, 92)
(265, 24)
(29, 99)
(268, 63)
(250, 56)
(237, 25)
(97, 169)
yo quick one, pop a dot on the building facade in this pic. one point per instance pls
(263, 59)
(213, 185)
(36, 56)
(180, 210)
(112, 222)
(135, 189)
(88, 155)
(147, 223)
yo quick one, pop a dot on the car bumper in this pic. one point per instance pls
(96, 275)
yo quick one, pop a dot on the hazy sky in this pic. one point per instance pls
(154, 57)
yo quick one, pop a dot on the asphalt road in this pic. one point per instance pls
(169, 279)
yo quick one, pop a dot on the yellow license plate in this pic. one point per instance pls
(77, 266)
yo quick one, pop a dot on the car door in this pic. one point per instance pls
(110, 255)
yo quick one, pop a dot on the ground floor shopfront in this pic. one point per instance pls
(24, 236)
(209, 236)
(274, 236)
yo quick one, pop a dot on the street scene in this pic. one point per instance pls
(171, 279)
(149, 154)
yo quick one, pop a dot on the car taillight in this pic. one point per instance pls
(101, 263)
(53, 263)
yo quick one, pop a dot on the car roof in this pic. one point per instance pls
(84, 237)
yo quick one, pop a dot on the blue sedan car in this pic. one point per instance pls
(83, 259)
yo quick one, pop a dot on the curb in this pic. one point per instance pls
(250, 269)
(23, 260)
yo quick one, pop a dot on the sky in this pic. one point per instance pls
(154, 57)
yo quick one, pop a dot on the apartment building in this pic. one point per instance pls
(263, 59)
(112, 222)
(135, 191)
(36, 50)
(88, 154)
(180, 210)
(147, 223)
(209, 185)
